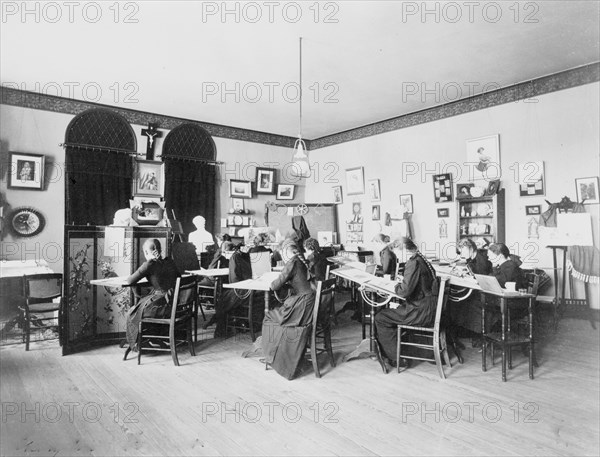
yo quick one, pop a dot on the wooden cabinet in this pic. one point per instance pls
(481, 218)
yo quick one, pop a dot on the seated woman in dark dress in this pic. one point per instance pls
(506, 267)
(419, 288)
(219, 260)
(162, 275)
(465, 313)
(317, 263)
(286, 329)
(387, 257)
(240, 269)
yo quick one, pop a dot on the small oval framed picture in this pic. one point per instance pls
(285, 191)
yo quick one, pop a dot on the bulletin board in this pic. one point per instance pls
(318, 217)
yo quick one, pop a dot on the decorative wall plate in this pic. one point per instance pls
(26, 221)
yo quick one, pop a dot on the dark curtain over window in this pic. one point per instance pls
(190, 190)
(97, 185)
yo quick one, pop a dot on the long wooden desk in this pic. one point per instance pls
(503, 338)
(368, 283)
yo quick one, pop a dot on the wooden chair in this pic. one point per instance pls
(248, 316)
(434, 333)
(39, 291)
(321, 323)
(185, 257)
(533, 282)
(182, 308)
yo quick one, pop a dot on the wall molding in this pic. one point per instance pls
(33, 100)
(559, 81)
(522, 91)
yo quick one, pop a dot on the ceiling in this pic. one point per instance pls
(363, 62)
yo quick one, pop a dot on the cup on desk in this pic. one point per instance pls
(511, 286)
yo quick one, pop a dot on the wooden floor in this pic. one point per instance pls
(218, 403)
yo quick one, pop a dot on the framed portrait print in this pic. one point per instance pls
(149, 178)
(483, 156)
(464, 190)
(237, 204)
(443, 212)
(406, 204)
(337, 195)
(587, 190)
(442, 187)
(531, 178)
(285, 191)
(533, 210)
(265, 181)
(355, 181)
(375, 212)
(374, 190)
(240, 189)
(26, 171)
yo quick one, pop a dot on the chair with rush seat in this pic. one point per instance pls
(435, 333)
(40, 291)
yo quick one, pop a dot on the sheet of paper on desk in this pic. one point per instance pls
(384, 284)
(268, 277)
(355, 275)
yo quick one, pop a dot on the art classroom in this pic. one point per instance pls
(300, 228)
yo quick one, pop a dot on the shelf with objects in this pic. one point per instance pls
(481, 218)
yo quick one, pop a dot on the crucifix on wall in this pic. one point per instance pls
(152, 133)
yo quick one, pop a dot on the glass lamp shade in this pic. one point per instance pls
(300, 165)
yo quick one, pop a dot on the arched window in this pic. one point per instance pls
(99, 167)
(191, 175)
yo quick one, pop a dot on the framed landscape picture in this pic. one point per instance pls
(285, 191)
(26, 171)
(240, 189)
(149, 178)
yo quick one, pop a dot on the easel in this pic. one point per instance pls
(176, 227)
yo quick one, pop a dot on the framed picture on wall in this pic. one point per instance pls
(149, 178)
(337, 195)
(531, 178)
(237, 204)
(265, 181)
(26, 171)
(443, 212)
(587, 190)
(533, 210)
(285, 191)
(375, 212)
(355, 181)
(484, 156)
(240, 189)
(464, 190)
(442, 187)
(374, 190)
(406, 204)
